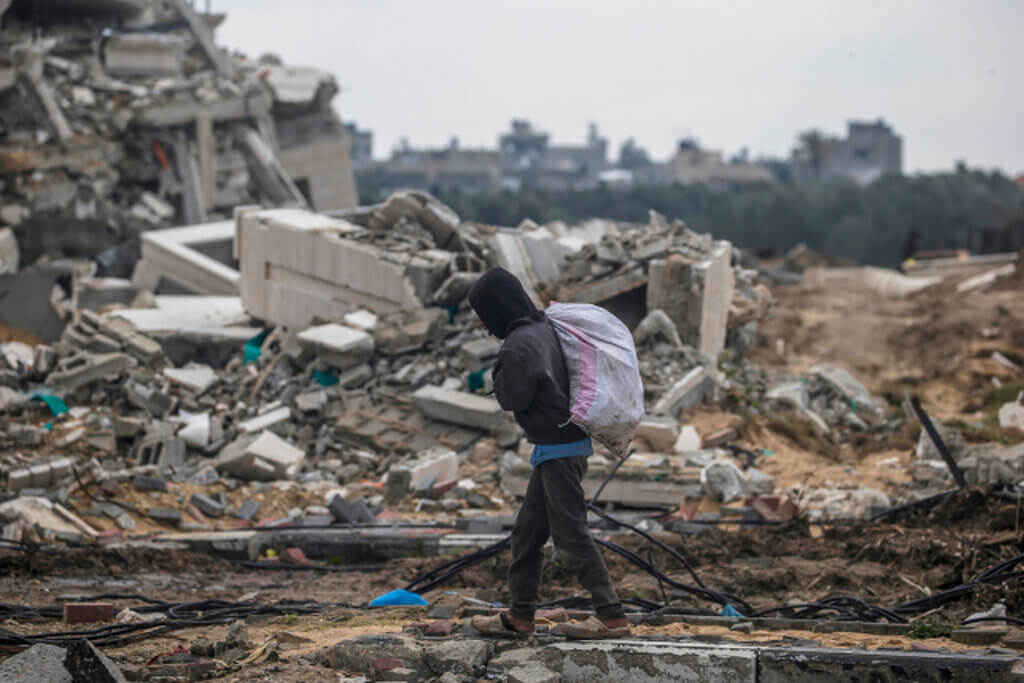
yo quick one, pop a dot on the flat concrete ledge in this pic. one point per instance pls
(665, 659)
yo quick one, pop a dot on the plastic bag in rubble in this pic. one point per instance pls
(605, 389)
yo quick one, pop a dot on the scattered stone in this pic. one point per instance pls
(207, 505)
(194, 376)
(1011, 415)
(261, 458)
(723, 481)
(40, 663)
(350, 512)
(86, 663)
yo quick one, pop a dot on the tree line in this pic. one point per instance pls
(863, 224)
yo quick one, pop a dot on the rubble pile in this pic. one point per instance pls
(367, 397)
(123, 117)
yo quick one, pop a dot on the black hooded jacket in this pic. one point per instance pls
(530, 375)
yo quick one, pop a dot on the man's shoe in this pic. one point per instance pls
(593, 628)
(501, 625)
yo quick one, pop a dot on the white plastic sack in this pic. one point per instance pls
(605, 389)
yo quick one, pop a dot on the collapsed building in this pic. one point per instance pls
(122, 117)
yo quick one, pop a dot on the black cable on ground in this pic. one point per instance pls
(978, 620)
(671, 551)
(179, 615)
(281, 566)
(705, 593)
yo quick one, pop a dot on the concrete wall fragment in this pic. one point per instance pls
(296, 266)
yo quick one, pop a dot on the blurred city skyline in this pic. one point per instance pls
(946, 75)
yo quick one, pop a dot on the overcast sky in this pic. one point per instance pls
(948, 76)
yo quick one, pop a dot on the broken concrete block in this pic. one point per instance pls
(262, 458)
(659, 432)
(350, 512)
(144, 54)
(723, 481)
(459, 408)
(442, 466)
(856, 394)
(194, 376)
(163, 452)
(1011, 415)
(248, 510)
(9, 254)
(44, 359)
(361, 320)
(41, 663)
(84, 662)
(196, 430)
(147, 398)
(266, 420)
(688, 440)
(84, 368)
(207, 505)
(654, 325)
(479, 353)
(794, 393)
(409, 331)
(144, 483)
(337, 345)
(355, 377)
(684, 394)
(759, 483)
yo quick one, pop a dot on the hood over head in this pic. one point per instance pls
(499, 300)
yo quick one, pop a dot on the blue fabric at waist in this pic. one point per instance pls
(543, 452)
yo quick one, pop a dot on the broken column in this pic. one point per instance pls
(695, 296)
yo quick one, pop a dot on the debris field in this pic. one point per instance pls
(221, 440)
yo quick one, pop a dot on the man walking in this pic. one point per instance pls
(532, 381)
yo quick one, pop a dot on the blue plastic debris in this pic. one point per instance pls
(398, 597)
(730, 611)
(251, 352)
(54, 403)
(475, 380)
(325, 378)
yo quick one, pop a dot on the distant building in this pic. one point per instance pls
(451, 169)
(527, 160)
(694, 165)
(362, 145)
(869, 151)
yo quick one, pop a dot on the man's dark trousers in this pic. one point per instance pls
(555, 507)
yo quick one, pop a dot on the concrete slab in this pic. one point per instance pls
(195, 376)
(297, 265)
(644, 661)
(460, 408)
(684, 394)
(179, 313)
(174, 254)
(266, 457)
(338, 345)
